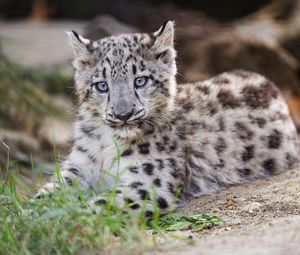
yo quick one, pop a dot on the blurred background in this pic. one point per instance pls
(211, 37)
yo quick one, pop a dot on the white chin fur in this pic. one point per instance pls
(126, 132)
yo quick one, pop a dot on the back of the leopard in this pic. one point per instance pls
(244, 130)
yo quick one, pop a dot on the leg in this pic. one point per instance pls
(68, 176)
(78, 168)
(139, 200)
(146, 186)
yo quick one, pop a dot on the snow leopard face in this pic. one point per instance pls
(126, 80)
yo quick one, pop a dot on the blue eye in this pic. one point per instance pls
(140, 82)
(101, 86)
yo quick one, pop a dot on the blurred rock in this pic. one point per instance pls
(294, 105)
(292, 44)
(13, 144)
(125, 9)
(20, 154)
(55, 133)
(16, 140)
(225, 52)
(40, 44)
(103, 26)
(26, 104)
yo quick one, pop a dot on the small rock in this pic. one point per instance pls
(215, 210)
(236, 221)
(239, 200)
(251, 208)
(229, 201)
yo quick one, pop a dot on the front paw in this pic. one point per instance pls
(97, 203)
(46, 190)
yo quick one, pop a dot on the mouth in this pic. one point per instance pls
(126, 130)
(131, 128)
(124, 124)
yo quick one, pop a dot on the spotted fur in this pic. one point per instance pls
(175, 140)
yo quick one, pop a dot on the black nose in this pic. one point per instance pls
(123, 115)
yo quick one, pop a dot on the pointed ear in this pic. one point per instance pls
(164, 37)
(82, 49)
(163, 44)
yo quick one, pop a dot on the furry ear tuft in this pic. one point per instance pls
(164, 36)
(163, 44)
(79, 44)
(82, 49)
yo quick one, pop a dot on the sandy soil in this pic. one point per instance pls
(261, 217)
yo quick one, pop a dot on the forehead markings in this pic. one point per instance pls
(118, 59)
(104, 73)
(134, 69)
(108, 61)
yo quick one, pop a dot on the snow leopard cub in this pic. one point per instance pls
(175, 140)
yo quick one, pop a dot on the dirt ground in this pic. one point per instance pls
(261, 217)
